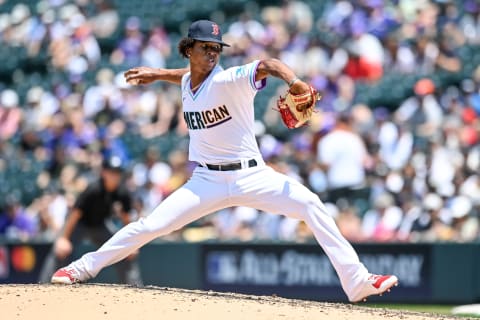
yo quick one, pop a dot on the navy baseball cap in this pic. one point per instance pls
(114, 163)
(205, 30)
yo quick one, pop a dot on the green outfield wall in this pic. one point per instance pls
(428, 273)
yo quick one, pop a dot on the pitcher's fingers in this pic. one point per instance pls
(134, 77)
(131, 72)
(131, 77)
(134, 81)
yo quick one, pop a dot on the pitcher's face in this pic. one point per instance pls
(205, 55)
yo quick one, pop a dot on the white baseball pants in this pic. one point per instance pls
(208, 191)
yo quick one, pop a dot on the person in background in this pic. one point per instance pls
(15, 222)
(94, 217)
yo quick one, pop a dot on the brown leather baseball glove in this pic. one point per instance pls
(296, 109)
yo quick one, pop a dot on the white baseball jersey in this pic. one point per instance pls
(220, 115)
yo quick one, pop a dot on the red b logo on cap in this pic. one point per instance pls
(215, 30)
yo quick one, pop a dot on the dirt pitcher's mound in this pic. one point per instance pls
(92, 301)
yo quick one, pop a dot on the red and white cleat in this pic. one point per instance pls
(375, 285)
(65, 275)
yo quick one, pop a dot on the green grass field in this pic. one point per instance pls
(436, 309)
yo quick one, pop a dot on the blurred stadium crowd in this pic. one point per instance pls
(393, 151)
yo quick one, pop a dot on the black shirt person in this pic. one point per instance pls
(93, 218)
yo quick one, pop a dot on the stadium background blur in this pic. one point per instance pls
(400, 76)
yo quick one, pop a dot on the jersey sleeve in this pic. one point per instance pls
(185, 78)
(243, 76)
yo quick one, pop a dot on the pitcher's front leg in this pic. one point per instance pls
(197, 198)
